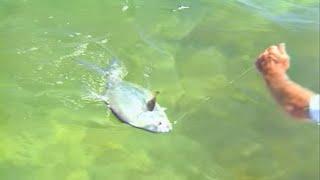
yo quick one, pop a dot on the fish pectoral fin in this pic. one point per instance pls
(152, 102)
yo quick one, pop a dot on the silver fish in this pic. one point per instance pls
(132, 103)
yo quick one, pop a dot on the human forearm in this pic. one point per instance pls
(291, 96)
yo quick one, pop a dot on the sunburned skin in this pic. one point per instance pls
(273, 64)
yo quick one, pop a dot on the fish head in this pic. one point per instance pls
(154, 121)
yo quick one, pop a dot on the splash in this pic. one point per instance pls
(79, 50)
(115, 72)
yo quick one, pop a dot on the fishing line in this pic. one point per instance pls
(206, 99)
(162, 51)
(245, 72)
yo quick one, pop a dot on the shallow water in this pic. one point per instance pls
(198, 54)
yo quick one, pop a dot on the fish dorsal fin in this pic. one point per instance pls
(152, 102)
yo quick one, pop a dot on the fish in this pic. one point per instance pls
(132, 103)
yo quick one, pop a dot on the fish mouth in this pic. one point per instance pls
(165, 129)
(157, 130)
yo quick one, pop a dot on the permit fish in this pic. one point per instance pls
(131, 103)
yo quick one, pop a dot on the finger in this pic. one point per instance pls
(261, 55)
(282, 47)
(272, 49)
(272, 57)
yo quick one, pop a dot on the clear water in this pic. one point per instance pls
(198, 53)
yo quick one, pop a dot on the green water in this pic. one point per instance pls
(199, 57)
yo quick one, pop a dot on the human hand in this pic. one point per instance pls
(273, 60)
